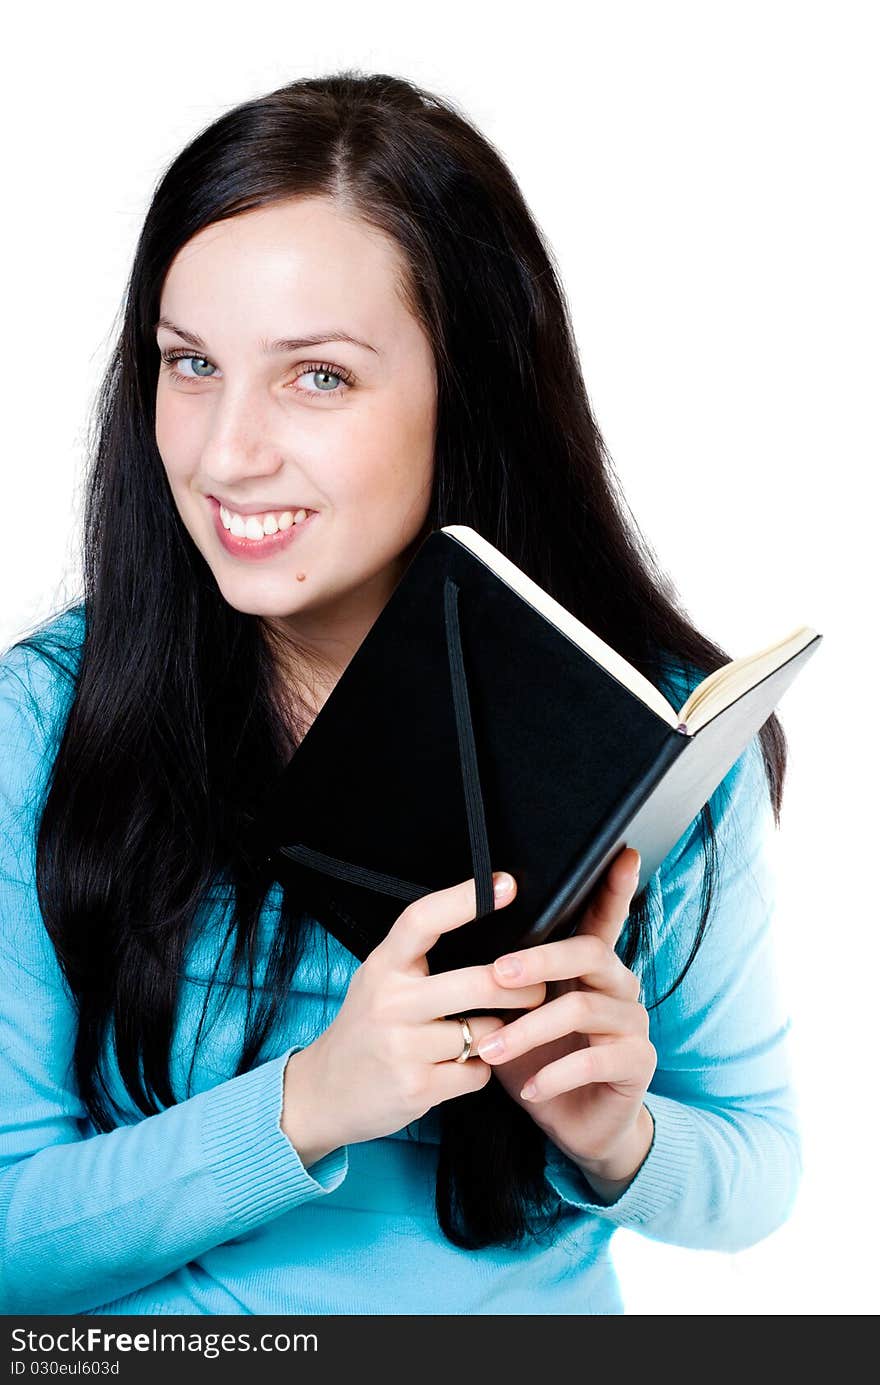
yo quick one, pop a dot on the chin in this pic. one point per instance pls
(266, 606)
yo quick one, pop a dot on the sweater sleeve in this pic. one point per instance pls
(724, 1165)
(87, 1219)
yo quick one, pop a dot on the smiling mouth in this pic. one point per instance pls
(256, 543)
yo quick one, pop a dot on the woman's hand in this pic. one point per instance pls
(389, 1055)
(585, 1050)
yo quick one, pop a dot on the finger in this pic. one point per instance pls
(444, 1039)
(608, 910)
(416, 930)
(576, 1012)
(628, 1064)
(469, 988)
(583, 957)
(455, 1079)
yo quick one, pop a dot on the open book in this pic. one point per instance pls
(480, 726)
(715, 692)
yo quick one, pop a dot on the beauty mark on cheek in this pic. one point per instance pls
(300, 577)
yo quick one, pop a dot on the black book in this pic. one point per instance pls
(479, 727)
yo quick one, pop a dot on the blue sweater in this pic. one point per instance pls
(207, 1208)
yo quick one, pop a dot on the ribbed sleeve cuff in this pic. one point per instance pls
(256, 1167)
(660, 1182)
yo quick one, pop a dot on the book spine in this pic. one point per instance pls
(565, 907)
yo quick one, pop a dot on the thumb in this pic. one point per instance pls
(609, 905)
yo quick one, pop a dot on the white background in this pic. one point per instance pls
(707, 177)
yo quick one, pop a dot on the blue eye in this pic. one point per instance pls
(326, 373)
(169, 357)
(321, 369)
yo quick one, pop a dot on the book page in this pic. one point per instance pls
(726, 684)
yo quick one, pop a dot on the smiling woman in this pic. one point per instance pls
(261, 423)
(325, 1136)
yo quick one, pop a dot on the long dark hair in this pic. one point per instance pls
(175, 721)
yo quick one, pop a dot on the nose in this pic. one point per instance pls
(241, 443)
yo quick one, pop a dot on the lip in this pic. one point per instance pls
(258, 550)
(246, 510)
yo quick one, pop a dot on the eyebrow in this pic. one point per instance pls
(270, 348)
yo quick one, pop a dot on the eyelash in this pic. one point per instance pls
(310, 367)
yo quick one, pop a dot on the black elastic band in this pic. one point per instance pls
(467, 754)
(356, 875)
(473, 798)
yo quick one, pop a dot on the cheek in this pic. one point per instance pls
(390, 465)
(165, 437)
(175, 437)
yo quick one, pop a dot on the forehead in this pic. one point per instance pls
(304, 257)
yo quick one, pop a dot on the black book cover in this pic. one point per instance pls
(468, 734)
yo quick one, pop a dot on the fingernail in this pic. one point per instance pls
(503, 884)
(508, 966)
(490, 1048)
(636, 867)
(528, 1091)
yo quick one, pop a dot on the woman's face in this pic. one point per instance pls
(343, 429)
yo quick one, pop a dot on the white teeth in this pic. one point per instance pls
(258, 526)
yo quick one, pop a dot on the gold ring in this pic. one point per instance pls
(467, 1038)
